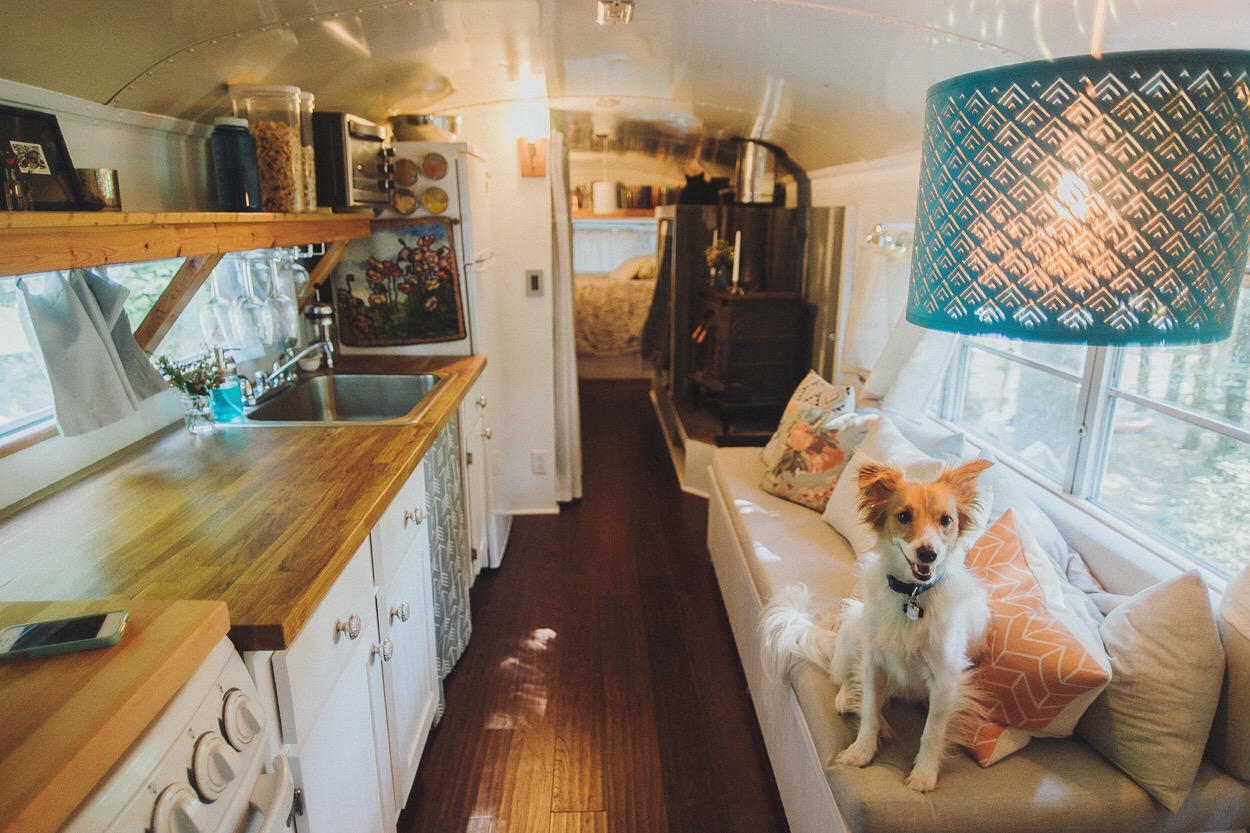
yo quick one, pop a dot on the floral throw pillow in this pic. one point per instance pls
(815, 445)
(813, 390)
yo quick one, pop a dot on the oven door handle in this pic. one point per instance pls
(273, 796)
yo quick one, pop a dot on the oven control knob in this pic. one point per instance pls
(242, 718)
(213, 766)
(177, 810)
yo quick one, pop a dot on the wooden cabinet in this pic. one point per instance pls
(748, 350)
(357, 691)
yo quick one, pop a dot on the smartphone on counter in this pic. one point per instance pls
(62, 636)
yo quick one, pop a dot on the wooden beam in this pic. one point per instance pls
(182, 287)
(321, 272)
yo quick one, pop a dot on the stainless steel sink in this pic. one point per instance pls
(349, 399)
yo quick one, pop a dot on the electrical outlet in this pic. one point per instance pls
(534, 282)
(538, 461)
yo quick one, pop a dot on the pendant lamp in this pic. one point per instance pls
(1099, 200)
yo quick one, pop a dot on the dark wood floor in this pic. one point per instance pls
(601, 691)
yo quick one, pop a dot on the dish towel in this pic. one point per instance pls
(79, 332)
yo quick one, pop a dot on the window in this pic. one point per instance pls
(25, 396)
(1159, 436)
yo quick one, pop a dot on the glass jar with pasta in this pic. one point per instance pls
(273, 118)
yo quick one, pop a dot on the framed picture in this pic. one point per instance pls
(33, 150)
(401, 285)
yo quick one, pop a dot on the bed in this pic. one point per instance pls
(611, 308)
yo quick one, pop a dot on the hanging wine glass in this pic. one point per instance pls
(278, 293)
(255, 319)
(289, 262)
(216, 322)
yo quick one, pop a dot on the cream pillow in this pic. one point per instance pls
(1167, 664)
(883, 444)
(813, 390)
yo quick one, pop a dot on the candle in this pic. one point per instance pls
(737, 246)
(715, 236)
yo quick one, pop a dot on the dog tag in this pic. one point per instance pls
(913, 610)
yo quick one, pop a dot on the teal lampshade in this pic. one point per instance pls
(1095, 200)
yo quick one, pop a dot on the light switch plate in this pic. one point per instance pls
(534, 282)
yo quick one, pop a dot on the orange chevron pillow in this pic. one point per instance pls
(1043, 666)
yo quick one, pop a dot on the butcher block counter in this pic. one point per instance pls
(68, 718)
(263, 518)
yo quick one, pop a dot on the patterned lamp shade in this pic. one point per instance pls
(1094, 200)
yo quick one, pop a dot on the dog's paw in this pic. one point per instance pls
(848, 699)
(922, 781)
(857, 754)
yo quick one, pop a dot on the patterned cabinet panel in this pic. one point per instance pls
(451, 557)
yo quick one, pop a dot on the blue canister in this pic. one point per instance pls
(234, 159)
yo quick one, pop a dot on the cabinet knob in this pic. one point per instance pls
(481, 401)
(386, 650)
(403, 612)
(486, 433)
(351, 627)
(413, 516)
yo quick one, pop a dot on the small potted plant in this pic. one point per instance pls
(195, 380)
(720, 259)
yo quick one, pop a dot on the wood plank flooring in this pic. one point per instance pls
(601, 691)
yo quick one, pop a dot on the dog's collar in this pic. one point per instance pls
(911, 607)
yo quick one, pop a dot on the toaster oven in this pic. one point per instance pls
(353, 159)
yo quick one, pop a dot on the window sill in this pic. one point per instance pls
(26, 437)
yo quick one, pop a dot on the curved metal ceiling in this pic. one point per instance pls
(832, 82)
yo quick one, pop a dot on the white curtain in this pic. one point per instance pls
(599, 248)
(878, 299)
(568, 414)
(79, 332)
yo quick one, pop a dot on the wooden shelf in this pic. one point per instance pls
(39, 241)
(619, 214)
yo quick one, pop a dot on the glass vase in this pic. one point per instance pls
(197, 413)
(719, 276)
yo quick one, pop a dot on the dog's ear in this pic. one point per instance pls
(877, 483)
(962, 481)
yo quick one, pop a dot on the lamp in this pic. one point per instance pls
(1092, 200)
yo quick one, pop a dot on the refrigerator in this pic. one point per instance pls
(447, 179)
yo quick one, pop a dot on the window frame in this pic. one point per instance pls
(1092, 429)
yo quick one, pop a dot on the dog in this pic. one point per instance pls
(922, 623)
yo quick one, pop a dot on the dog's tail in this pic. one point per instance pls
(790, 630)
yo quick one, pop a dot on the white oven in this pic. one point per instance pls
(201, 767)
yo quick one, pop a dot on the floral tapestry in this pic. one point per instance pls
(400, 286)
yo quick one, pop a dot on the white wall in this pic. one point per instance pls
(520, 381)
(881, 191)
(162, 163)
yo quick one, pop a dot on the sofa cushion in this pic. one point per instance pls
(1167, 667)
(1230, 733)
(1043, 666)
(813, 390)
(815, 450)
(1053, 784)
(784, 543)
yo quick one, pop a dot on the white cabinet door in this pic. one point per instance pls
(406, 616)
(475, 449)
(335, 767)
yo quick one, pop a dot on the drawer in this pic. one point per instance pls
(403, 523)
(305, 673)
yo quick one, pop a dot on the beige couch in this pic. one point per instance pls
(760, 543)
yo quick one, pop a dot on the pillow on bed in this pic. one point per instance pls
(1044, 666)
(813, 390)
(630, 268)
(1167, 668)
(817, 446)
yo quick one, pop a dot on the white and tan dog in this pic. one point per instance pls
(922, 622)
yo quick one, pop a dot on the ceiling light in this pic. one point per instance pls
(1091, 200)
(614, 11)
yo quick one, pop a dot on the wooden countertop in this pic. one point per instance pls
(69, 718)
(262, 518)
